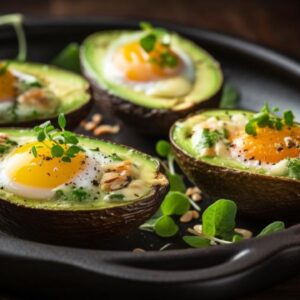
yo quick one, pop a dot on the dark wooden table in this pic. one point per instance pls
(273, 23)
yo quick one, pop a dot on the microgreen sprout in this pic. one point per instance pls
(16, 20)
(63, 143)
(266, 118)
(158, 35)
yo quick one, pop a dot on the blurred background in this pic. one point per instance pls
(274, 23)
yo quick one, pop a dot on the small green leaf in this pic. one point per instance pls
(66, 159)
(165, 227)
(237, 238)
(230, 97)
(288, 118)
(272, 228)
(73, 150)
(41, 136)
(34, 151)
(175, 203)
(196, 241)
(57, 151)
(250, 128)
(148, 42)
(68, 58)
(176, 182)
(146, 26)
(62, 121)
(218, 220)
(163, 148)
(70, 137)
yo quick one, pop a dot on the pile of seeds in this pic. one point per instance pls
(97, 128)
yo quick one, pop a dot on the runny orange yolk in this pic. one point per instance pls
(42, 171)
(7, 88)
(135, 63)
(271, 145)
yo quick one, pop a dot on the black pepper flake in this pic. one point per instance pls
(95, 182)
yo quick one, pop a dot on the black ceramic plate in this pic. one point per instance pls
(260, 75)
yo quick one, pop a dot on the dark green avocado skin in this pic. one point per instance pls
(152, 122)
(80, 228)
(257, 196)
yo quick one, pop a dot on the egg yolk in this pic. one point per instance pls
(42, 171)
(7, 88)
(272, 145)
(138, 65)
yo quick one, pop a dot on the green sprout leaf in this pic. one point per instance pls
(288, 118)
(165, 227)
(68, 58)
(62, 121)
(175, 203)
(272, 228)
(230, 97)
(34, 152)
(218, 220)
(196, 241)
(163, 148)
(146, 26)
(57, 151)
(16, 20)
(148, 42)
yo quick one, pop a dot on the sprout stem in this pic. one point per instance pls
(16, 20)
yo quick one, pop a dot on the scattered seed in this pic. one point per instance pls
(196, 197)
(198, 228)
(195, 214)
(89, 126)
(187, 217)
(97, 118)
(104, 129)
(138, 250)
(247, 234)
(192, 190)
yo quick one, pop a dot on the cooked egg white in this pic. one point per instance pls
(128, 64)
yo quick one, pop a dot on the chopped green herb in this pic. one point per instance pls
(148, 42)
(288, 118)
(294, 168)
(34, 152)
(266, 118)
(210, 137)
(115, 196)
(79, 194)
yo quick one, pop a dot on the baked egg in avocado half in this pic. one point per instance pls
(149, 78)
(251, 158)
(60, 188)
(31, 92)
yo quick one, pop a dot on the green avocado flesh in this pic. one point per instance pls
(181, 134)
(206, 80)
(63, 91)
(141, 184)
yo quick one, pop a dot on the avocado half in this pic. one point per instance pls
(150, 114)
(72, 91)
(257, 194)
(82, 223)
